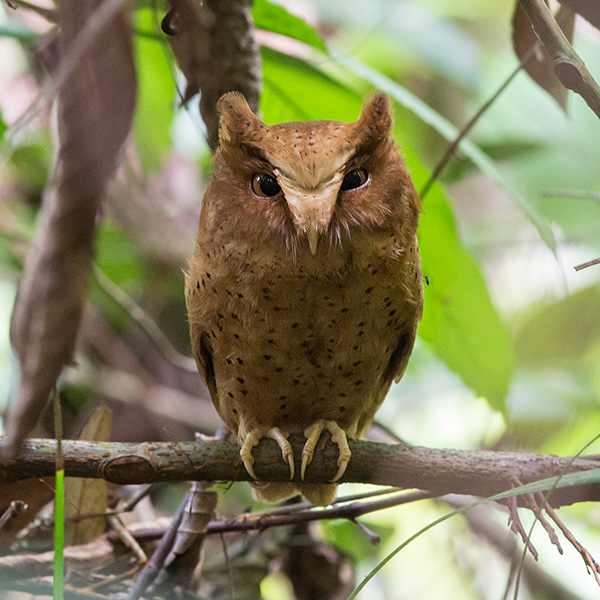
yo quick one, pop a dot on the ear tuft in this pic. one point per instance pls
(237, 122)
(375, 120)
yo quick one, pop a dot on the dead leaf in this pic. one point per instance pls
(185, 555)
(84, 496)
(588, 9)
(96, 98)
(534, 56)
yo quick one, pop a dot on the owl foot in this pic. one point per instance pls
(338, 436)
(254, 436)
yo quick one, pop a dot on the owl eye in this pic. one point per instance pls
(354, 179)
(265, 186)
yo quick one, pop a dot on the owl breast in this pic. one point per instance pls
(294, 341)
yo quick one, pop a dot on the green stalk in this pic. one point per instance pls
(59, 504)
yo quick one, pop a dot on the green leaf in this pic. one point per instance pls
(273, 17)
(156, 96)
(117, 256)
(30, 160)
(294, 89)
(347, 536)
(3, 127)
(460, 322)
(561, 333)
(18, 32)
(449, 132)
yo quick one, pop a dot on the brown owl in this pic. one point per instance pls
(304, 291)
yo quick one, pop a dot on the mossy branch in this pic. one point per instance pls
(474, 472)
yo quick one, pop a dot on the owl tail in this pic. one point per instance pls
(318, 494)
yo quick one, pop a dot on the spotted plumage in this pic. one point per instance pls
(304, 290)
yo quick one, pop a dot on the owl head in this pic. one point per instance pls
(302, 181)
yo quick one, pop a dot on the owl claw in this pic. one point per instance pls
(338, 436)
(286, 449)
(251, 440)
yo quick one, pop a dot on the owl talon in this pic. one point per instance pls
(252, 439)
(338, 436)
(286, 449)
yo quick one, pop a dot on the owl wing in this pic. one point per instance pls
(394, 371)
(204, 360)
(398, 360)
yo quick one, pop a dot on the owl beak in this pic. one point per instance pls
(311, 210)
(313, 238)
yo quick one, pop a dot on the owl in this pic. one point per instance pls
(304, 290)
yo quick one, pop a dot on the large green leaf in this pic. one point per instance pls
(459, 322)
(561, 333)
(294, 89)
(273, 17)
(156, 96)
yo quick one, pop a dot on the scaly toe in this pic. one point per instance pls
(252, 438)
(286, 448)
(339, 436)
(312, 433)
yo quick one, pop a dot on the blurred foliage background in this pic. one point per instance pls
(509, 345)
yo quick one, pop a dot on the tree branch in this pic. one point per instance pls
(475, 472)
(569, 68)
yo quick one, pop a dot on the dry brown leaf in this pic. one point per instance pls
(588, 9)
(84, 496)
(185, 555)
(537, 62)
(96, 98)
(84, 558)
(317, 570)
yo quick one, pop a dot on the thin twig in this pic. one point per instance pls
(249, 522)
(468, 126)
(516, 526)
(15, 508)
(127, 539)
(154, 565)
(286, 509)
(587, 264)
(571, 194)
(144, 321)
(371, 535)
(588, 559)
